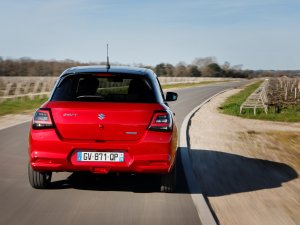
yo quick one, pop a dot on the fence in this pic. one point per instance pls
(19, 87)
(258, 99)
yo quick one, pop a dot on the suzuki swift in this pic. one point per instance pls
(103, 120)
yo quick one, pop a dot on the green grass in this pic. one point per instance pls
(20, 105)
(184, 85)
(232, 107)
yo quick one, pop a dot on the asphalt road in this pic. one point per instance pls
(110, 199)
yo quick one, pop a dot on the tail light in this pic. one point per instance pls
(42, 119)
(161, 121)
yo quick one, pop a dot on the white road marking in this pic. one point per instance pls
(202, 208)
(12, 120)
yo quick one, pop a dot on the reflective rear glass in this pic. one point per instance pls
(104, 88)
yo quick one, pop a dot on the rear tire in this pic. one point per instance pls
(169, 181)
(38, 180)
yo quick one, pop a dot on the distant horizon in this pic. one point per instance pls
(129, 64)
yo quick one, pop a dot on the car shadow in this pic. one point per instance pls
(214, 173)
(109, 182)
(221, 173)
(125, 182)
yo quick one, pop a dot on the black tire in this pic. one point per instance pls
(38, 180)
(169, 181)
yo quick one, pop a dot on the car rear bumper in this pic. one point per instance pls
(153, 153)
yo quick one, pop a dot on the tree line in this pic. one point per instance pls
(200, 67)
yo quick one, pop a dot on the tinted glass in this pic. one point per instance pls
(102, 88)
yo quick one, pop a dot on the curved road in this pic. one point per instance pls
(111, 199)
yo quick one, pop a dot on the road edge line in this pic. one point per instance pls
(14, 124)
(205, 213)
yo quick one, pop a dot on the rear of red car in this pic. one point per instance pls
(103, 121)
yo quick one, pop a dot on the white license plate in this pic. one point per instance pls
(100, 156)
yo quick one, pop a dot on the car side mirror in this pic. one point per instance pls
(171, 96)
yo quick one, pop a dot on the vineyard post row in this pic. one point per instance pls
(278, 92)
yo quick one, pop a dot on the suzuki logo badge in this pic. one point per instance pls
(101, 116)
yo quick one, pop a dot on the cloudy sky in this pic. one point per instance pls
(259, 34)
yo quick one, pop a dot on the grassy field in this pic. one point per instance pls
(20, 105)
(232, 107)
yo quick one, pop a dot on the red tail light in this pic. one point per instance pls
(161, 121)
(42, 119)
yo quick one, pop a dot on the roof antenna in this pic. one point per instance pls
(107, 59)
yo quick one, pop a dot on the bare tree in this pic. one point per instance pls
(202, 62)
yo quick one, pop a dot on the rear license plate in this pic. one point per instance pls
(100, 156)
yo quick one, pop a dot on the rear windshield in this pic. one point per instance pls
(104, 88)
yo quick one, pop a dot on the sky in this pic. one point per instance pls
(258, 34)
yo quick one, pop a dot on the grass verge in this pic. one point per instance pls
(20, 105)
(232, 107)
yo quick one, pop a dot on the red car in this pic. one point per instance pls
(104, 120)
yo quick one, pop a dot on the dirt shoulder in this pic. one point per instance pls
(249, 169)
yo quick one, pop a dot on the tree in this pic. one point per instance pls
(194, 71)
(212, 70)
(202, 62)
(180, 70)
(164, 70)
(226, 66)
